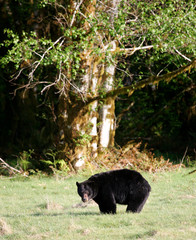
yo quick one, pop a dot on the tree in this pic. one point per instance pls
(76, 46)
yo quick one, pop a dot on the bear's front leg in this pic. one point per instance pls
(109, 208)
(106, 201)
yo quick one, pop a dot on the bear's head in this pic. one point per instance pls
(86, 190)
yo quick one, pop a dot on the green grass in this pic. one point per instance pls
(42, 208)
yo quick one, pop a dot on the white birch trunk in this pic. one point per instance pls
(107, 111)
(107, 127)
(94, 114)
(93, 133)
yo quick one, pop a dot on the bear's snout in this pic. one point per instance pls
(85, 198)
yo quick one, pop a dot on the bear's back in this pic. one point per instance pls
(116, 176)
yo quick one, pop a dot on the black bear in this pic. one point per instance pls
(123, 186)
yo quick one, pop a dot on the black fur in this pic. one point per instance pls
(124, 186)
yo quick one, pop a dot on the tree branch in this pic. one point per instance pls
(188, 59)
(37, 63)
(75, 11)
(153, 80)
(5, 165)
(124, 50)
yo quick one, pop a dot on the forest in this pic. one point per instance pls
(97, 84)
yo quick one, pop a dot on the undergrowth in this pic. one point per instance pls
(132, 157)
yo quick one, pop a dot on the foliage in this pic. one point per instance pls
(132, 27)
(55, 163)
(82, 139)
(44, 49)
(25, 160)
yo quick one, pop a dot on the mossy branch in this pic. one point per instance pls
(151, 80)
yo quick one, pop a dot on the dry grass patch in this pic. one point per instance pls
(4, 228)
(130, 156)
(50, 205)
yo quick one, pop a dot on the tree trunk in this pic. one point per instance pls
(107, 115)
(107, 129)
(82, 135)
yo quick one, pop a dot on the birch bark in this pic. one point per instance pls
(107, 116)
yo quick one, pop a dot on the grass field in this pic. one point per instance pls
(46, 208)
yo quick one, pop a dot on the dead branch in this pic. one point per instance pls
(124, 50)
(181, 162)
(77, 6)
(7, 166)
(192, 171)
(182, 55)
(134, 49)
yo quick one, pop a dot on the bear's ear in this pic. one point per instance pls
(77, 183)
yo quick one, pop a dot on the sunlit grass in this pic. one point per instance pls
(42, 208)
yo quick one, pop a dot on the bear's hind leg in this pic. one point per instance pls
(135, 205)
